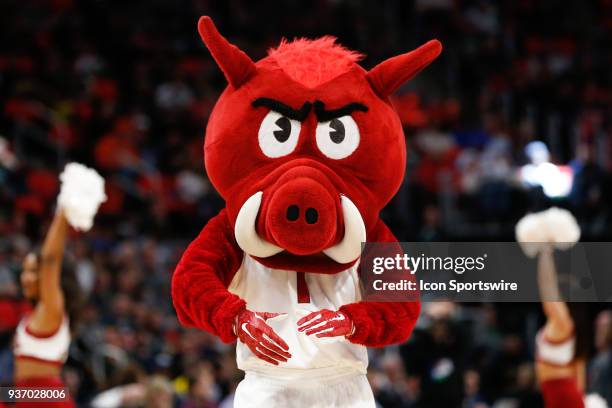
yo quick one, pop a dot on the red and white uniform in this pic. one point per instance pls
(265, 289)
(49, 348)
(317, 365)
(558, 392)
(559, 353)
(215, 282)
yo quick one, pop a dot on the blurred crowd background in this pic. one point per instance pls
(514, 116)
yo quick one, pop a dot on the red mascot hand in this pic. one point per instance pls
(326, 323)
(252, 330)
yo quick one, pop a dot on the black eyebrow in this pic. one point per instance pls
(327, 115)
(283, 109)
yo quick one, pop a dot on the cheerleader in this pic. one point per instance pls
(562, 344)
(42, 338)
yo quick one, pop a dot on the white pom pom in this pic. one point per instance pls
(595, 401)
(564, 231)
(530, 234)
(81, 194)
(555, 226)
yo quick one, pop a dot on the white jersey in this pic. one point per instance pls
(52, 348)
(557, 353)
(273, 290)
(336, 390)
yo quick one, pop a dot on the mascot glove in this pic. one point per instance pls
(252, 329)
(81, 194)
(326, 323)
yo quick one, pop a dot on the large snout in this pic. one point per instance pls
(300, 212)
(301, 216)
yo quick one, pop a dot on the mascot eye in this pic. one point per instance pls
(338, 138)
(278, 135)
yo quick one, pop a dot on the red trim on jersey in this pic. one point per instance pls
(560, 341)
(43, 335)
(302, 288)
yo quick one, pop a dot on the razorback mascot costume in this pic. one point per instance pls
(306, 149)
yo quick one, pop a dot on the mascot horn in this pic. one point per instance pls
(306, 150)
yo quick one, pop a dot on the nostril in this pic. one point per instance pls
(311, 216)
(293, 212)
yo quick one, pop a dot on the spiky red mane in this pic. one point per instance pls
(313, 62)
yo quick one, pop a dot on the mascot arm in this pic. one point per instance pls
(378, 324)
(201, 278)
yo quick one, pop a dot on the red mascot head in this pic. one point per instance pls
(305, 148)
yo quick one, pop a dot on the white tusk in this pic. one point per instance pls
(245, 232)
(349, 248)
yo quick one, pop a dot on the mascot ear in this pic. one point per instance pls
(235, 64)
(390, 74)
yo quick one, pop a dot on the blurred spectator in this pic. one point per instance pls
(600, 369)
(203, 392)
